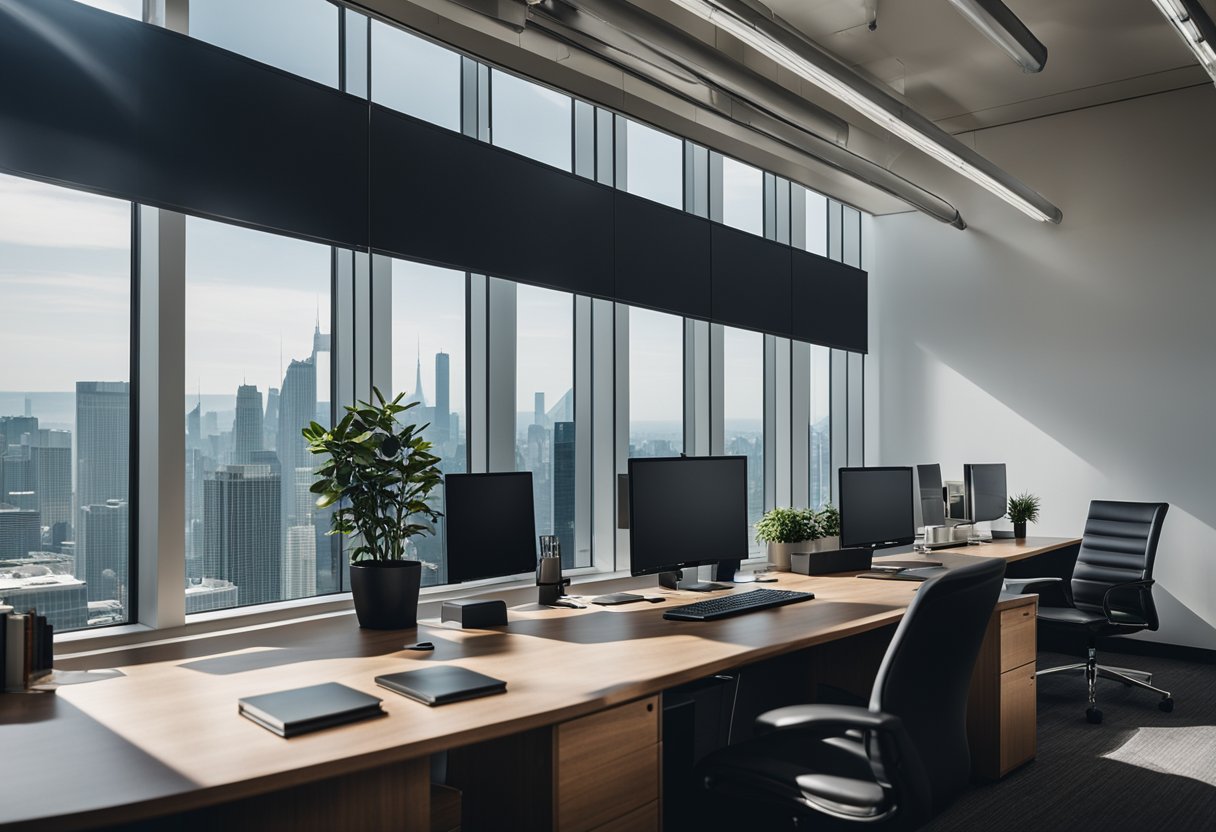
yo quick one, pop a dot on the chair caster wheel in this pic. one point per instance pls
(1093, 716)
(1166, 704)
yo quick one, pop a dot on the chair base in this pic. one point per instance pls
(1129, 677)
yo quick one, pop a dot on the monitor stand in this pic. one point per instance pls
(675, 580)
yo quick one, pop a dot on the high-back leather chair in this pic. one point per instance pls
(894, 764)
(1112, 591)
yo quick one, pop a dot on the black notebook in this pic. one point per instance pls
(298, 711)
(441, 685)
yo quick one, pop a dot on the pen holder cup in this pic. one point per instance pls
(549, 581)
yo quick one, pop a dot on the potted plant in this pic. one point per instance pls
(380, 474)
(1023, 509)
(827, 522)
(786, 531)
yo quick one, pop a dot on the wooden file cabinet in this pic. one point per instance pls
(1002, 712)
(608, 770)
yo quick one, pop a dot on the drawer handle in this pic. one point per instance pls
(1026, 613)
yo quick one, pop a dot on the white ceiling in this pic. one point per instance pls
(1098, 51)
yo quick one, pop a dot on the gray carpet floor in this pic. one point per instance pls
(1140, 770)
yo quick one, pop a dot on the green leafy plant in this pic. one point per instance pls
(786, 525)
(380, 473)
(828, 519)
(1024, 508)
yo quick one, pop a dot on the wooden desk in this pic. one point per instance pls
(165, 737)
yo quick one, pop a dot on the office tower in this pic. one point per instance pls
(538, 409)
(241, 530)
(211, 424)
(564, 489)
(20, 531)
(52, 466)
(194, 427)
(418, 395)
(297, 408)
(300, 562)
(102, 551)
(441, 422)
(270, 424)
(29, 406)
(247, 427)
(821, 463)
(60, 597)
(103, 439)
(12, 428)
(18, 478)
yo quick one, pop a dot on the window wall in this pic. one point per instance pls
(652, 165)
(656, 383)
(66, 488)
(257, 371)
(429, 366)
(743, 406)
(298, 36)
(415, 76)
(531, 120)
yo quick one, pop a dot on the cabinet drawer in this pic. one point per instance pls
(1017, 636)
(1018, 714)
(590, 797)
(608, 734)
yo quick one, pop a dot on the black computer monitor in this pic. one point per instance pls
(876, 507)
(490, 525)
(984, 492)
(684, 512)
(932, 497)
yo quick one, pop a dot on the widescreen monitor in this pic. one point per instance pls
(686, 511)
(876, 507)
(932, 498)
(490, 525)
(984, 492)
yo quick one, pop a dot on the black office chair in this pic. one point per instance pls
(1111, 590)
(895, 764)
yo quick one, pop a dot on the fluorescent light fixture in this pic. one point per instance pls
(1194, 27)
(1001, 26)
(772, 39)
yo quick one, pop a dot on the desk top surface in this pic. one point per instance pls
(165, 734)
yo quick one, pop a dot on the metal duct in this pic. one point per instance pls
(633, 51)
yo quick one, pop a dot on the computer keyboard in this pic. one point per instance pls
(728, 605)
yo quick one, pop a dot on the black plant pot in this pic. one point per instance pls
(386, 593)
(1019, 530)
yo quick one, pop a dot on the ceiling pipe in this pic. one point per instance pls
(758, 27)
(662, 62)
(1000, 25)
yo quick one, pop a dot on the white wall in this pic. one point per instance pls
(1083, 355)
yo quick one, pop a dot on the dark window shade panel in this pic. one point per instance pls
(662, 257)
(114, 106)
(751, 281)
(829, 300)
(447, 199)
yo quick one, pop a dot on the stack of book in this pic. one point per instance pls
(26, 648)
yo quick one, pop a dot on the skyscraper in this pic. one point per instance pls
(12, 428)
(247, 427)
(241, 530)
(441, 422)
(52, 466)
(538, 412)
(194, 427)
(103, 441)
(418, 395)
(270, 424)
(102, 554)
(20, 531)
(564, 489)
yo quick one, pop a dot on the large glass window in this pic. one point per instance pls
(742, 196)
(299, 36)
(257, 372)
(65, 404)
(126, 8)
(532, 120)
(544, 423)
(429, 367)
(743, 413)
(415, 76)
(816, 221)
(820, 447)
(654, 164)
(656, 383)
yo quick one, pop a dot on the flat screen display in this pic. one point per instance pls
(932, 500)
(490, 525)
(686, 511)
(876, 507)
(985, 491)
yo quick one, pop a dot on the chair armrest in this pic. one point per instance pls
(1138, 586)
(826, 720)
(1018, 585)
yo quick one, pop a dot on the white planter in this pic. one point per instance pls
(824, 544)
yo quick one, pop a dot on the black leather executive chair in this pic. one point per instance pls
(893, 765)
(1111, 590)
